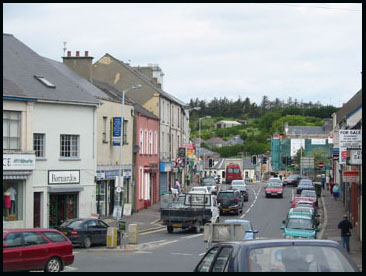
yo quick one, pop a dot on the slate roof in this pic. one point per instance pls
(235, 141)
(147, 81)
(21, 64)
(306, 130)
(247, 164)
(353, 104)
(215, 141)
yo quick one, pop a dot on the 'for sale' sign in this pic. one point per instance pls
(349, 139)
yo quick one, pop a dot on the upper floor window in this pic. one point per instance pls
(11, 130)
(69, 146)
(141, 141)
(150, 143)
(156, 143)
(146, 142)
(39, 144)
(104, 133)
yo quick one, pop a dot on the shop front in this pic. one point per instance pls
(17, 177)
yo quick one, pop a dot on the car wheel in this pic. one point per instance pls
(170, 229)
(53, 265)
(87, 242)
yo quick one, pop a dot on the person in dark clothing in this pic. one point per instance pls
(345, 225)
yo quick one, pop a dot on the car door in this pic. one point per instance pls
(12, 251)
(93, 231)
(102, 232)
(35, 251)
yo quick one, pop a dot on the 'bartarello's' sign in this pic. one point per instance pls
(64, 177)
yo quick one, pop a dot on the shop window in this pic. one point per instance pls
(13, 200)
(11, 130)
(62, 208)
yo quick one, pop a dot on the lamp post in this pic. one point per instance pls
(199, 127)
(136, 86)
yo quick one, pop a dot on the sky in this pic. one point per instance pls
(306, 51)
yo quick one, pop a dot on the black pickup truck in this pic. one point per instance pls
(198, 209)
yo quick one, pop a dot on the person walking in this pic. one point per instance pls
(335, 191)
(345, 225)
(177, 186)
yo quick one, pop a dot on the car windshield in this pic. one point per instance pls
(72, 223)
(275, 180)
(295, 258)
(233, 183)
(233, 170)
(302, 210)
(225, 195)
(274, 185)
(292, 176)
(246, 224)
(199, 189)
(308, 193)
(209, 182)
(299, 223)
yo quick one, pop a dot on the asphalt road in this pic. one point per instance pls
(182, 249)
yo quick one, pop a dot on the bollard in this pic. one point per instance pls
(111, 237)
(133, 234)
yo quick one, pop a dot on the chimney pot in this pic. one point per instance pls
(69, 53)
(86, 53)
(77, 53)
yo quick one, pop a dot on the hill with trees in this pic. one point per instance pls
(262, 121)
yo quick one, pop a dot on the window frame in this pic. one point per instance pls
(68, 148)
(41, 145)
(18, 122)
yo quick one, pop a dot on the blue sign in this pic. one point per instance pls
(116, 138)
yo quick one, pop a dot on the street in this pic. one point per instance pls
(182, 249)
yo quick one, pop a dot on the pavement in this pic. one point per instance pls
(331, 212)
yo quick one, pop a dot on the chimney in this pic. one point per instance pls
(81, 65)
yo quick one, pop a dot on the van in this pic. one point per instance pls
(233, 172)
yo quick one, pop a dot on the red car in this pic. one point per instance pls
(300, 198)
(36, 249)
(274, 189)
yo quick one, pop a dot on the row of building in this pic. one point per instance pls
(62, 131)
(340, 138)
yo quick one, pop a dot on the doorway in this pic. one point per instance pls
(37, 207)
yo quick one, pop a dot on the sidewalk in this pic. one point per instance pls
(146, 219)
(333, 214)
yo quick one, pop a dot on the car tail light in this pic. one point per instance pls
(74, 233)
(236, 199)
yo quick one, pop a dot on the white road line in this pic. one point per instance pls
(192, 236)
(143, 252)
(254, 201)
(202, 254)
(182, 254)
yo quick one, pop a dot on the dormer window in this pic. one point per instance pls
(45, 81)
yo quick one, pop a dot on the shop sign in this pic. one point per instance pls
(19, 162)
(351, 176)
(64, 177)
(165, 166)
(100, 175)
(116, 137)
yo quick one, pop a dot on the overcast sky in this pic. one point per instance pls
(309, 52)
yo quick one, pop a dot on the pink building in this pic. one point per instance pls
(147, 158)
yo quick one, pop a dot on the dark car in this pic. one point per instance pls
(230, 201)
(86, 232)
(293, 180)
(36, 249)
(304, 184)
(278, 255)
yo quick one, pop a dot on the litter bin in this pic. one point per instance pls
(111, 237)
(318, 188)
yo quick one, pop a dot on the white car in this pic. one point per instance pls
(241, 186)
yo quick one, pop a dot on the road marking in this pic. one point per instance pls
(183, 254)
(254, 201)
(192, 236)
(152, 231)
(202, 254)
(143, 252)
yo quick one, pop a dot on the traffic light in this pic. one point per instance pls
(210, 163)
(284, 160)
(264, 160)
(254, 159)
(289, 160)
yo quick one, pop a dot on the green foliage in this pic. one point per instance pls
(295, 120)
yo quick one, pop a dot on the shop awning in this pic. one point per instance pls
(65, 189)
(14, 175)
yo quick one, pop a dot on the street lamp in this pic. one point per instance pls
(199, 127)
(136, 86)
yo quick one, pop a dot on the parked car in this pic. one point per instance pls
(311, 194)
(305, 203)
(306, 211)
(299, 226)
(276, 256)
(211, 184)
(86, 231)
(230, 201)
(293, 180)
(298, 198)
(304, 184)
(36, 249)
(274, 189)
(200, 189)
(250, 232)
(240, 186)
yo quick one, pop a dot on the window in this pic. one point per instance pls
(13, 240)
(13, 200)
(91, 224)
(222, 259)
(11, 130)
(39, 144)
(31, 238)
(141, 141)
(156, 143)
(125, 132)
(205, 264)
(54, 236)
(146, 143)
(150, 143)
(69, 146)
(45, 81)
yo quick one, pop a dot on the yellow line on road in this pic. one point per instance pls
(152, 231)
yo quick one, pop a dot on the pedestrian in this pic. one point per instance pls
(177, 186)
(331, 186)
(335, 191)
(323, 181)
(345, 225)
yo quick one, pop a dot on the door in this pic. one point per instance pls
(37, 210)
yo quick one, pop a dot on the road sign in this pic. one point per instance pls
(320, 165)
